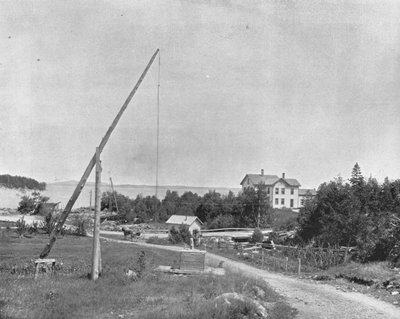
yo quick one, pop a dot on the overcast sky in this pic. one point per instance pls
(302, 87)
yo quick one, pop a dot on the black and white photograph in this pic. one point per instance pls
(190, 159)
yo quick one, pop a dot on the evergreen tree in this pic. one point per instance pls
(357, 178)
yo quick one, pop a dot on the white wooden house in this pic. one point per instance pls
(192, 221)
(282, 192)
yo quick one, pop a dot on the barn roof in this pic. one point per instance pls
(182, 219)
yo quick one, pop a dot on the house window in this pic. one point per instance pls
(267, 190)
(291, 202)
(276, 201)
(302, 201)
(282, 201)
(292, 191)
(283, 191)
(277, 191)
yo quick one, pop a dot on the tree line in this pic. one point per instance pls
(20, 182)
(358, 212)
(249, 208)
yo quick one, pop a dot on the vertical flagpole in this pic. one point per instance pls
(96, 228)
(158, 133)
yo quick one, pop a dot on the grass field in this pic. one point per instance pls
(69, 294)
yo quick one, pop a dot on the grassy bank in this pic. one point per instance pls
(69, 294)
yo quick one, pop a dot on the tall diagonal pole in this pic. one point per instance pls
(85, 176)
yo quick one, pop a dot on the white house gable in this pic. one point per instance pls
(282, 192)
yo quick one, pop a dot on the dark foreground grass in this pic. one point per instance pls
(69, 294)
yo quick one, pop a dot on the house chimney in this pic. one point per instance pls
(262, 172)
(283, 175)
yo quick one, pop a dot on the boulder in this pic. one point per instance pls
(230, 296)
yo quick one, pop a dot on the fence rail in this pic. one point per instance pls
(226, 230)
(283, 258)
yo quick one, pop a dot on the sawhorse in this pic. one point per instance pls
(47, 264)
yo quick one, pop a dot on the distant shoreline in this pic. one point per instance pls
(62, 191)
(70, 183)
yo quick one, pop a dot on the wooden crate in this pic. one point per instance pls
(192, 260)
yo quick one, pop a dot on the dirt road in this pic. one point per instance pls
(313, 300)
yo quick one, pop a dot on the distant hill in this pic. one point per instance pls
(21, 182)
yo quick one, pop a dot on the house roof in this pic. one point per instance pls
(307, 192)
(256, 179)
(182, 219)
(292, 181)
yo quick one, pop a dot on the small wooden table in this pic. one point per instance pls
(48, 264)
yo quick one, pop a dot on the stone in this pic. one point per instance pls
(131, 274)
(226, 297)
(260, 293)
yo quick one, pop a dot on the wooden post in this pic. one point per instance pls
(96, 227)
(345, 255)
(262, 257)
(299, 266)
(286, 264)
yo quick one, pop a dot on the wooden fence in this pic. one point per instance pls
(282, 258)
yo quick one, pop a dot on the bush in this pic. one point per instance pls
(141, 264)
(180, 235)
(257, 236)
(33, 229)
(174, 236)
(283, 219)
(80, 229)
(79, 225)
(28, 204)
(222, 221)
(22, 227)
(185, 233)
(49, 223)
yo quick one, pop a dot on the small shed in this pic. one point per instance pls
(192, 221)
